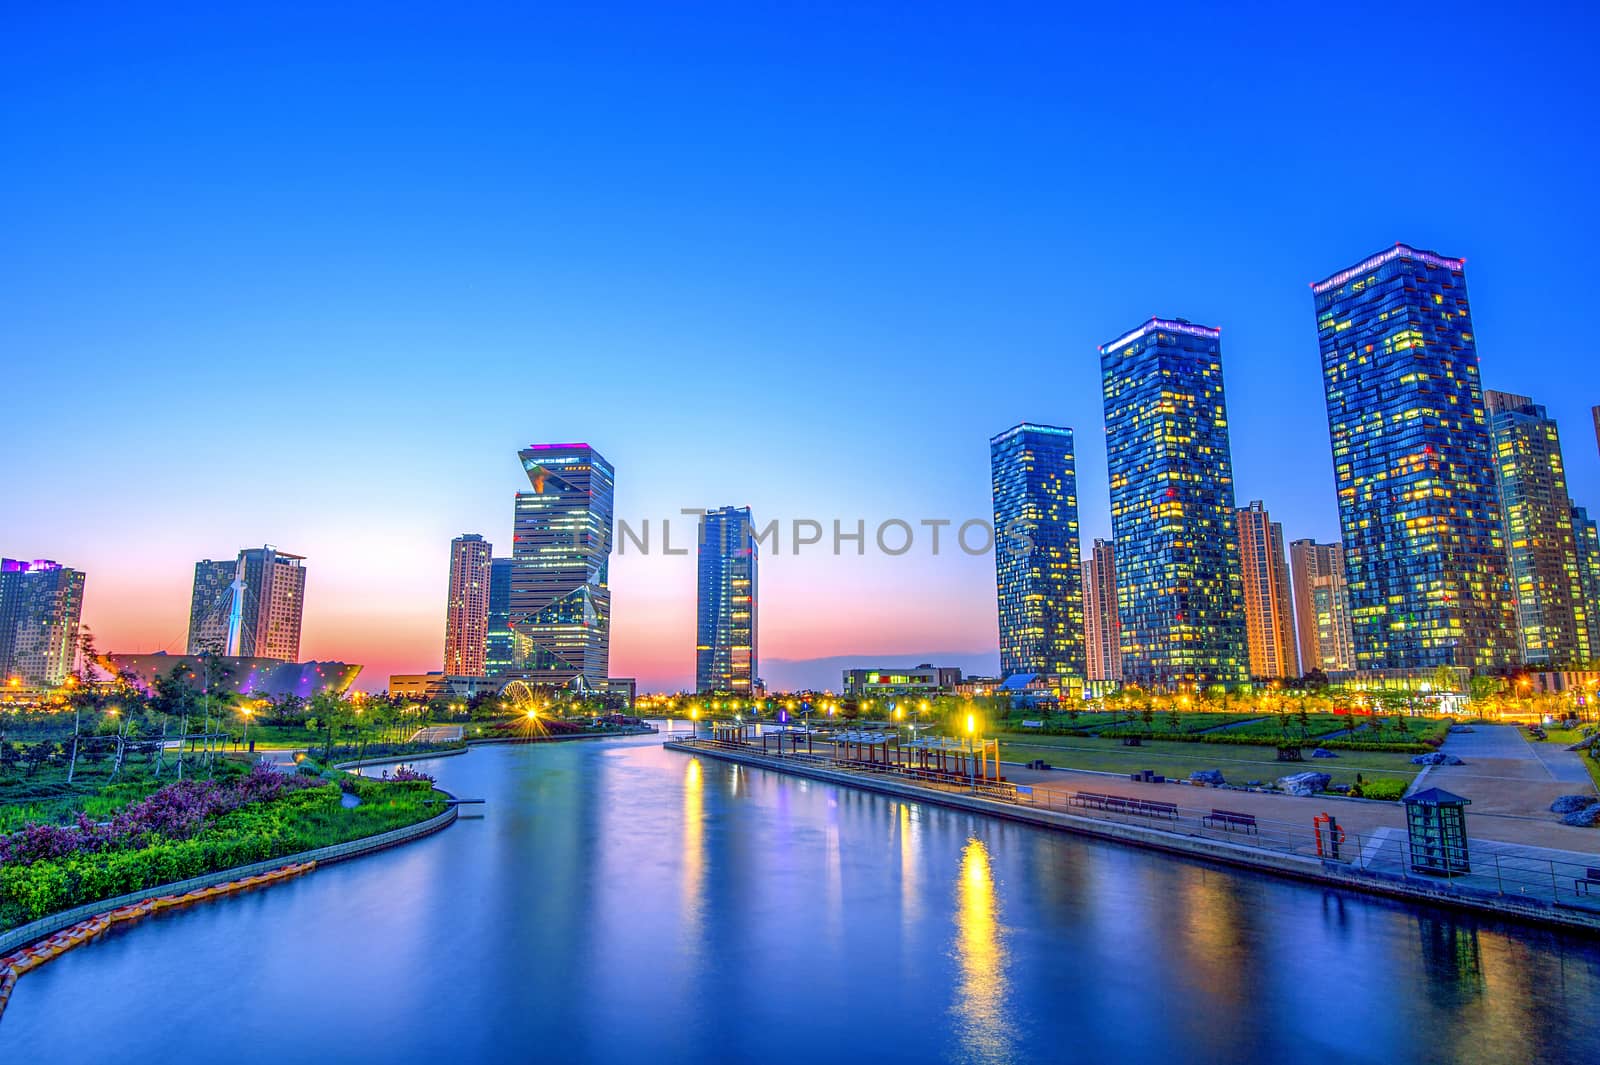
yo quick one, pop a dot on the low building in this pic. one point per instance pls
(976, 686)
(438, 685)
(265, 677)
(626, 687)
(900, 681)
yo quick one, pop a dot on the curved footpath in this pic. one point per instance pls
(1303, 867)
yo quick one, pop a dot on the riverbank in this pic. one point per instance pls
(1515, 888)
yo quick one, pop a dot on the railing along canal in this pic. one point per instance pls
(1500, 869)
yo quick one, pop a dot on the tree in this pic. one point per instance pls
(174, 698)
(37, 754)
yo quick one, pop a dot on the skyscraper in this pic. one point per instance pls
(1102, 632)
(1321, 607)
(725, 648)
(1419, 514)
(1172, 506)
(251, 607)
(1553, 625)
(466, 614)
(1035, 486)
(1268, 615)
(1586, 537)
(40, 605)
(499, 654)
(561, 552)
(211, 606)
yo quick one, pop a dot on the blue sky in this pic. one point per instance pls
(310, 279)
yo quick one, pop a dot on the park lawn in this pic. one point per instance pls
(1238, 763)
(1270, 728)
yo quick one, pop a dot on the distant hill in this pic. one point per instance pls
(792, 674)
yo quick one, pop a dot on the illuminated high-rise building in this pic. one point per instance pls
(1553, 623)
(725, 629)
(1321, 607)
(1172, 506)
(499, 655)
(41, 603)
(1586, 539)
(1102, 632)
(251, 607)
(560, 555)
(1268, 611)
(1419, 513)
(211, 606)
(1035, 485)
(466, 614)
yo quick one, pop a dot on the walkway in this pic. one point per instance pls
(1509, 777)
(437, 734)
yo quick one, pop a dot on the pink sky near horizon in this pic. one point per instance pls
(384, 607)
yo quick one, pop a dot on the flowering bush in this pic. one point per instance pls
(405, 773)
(176, 812)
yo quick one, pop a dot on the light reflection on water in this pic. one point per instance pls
(622, 903)
(985, 1029)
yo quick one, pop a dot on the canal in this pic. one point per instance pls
(617, 902)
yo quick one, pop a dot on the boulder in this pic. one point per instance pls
(1587, 817)
(1304, 783)
(1321, 752)
(1462, 728)
(1567, 804)
(1212, 777)
(1436, 758)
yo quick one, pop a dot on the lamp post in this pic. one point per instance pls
(247, 712)
(972, 727)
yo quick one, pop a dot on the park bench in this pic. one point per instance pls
(1230, 820)
(1590, 879)
(1124, 804)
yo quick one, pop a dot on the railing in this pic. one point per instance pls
(1497, 869)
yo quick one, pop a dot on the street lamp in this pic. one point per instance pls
(247, 711)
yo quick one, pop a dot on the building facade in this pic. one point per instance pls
(41, 603)
(499, 655)
(466, 612)
(1102, 631)
(899, 680)
(1268, 609)
(1321, 607)
(726, 603)
(1553, 623)
(1419, 513)
(211, 606)
(560, 605)
(1586, 537)
(1035, 488)
(1172, 506)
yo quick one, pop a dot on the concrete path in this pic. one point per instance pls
(1507, 775)
(437, 734)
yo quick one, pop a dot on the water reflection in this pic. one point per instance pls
(980, 1009)
(694, 852)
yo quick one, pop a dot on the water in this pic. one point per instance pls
(621, 903)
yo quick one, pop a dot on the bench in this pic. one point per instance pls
(1123, 804)
(1230, 820)
(1590, 879)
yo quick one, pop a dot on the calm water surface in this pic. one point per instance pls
(621, 903)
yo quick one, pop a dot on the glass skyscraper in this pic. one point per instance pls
(1586, 535)
(498, 656)
(1553, 624)
(1419, 513)
(1035, 485)
(561, 554)
(725, 647)
(1172, 506)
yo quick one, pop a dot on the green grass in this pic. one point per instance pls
(256, 832)
(1178, 759)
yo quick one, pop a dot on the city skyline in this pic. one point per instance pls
(787, 260)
